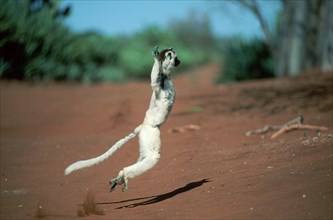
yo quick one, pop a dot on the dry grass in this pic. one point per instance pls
(89, 207)
(40, 213)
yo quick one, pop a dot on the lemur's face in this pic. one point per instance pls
(169, 59)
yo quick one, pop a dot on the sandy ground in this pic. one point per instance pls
(215, 172)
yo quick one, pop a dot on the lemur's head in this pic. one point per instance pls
(169, 59)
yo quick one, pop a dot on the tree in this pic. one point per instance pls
(305, 36)
(33, 6)
(194, 31)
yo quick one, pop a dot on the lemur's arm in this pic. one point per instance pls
(156, 75)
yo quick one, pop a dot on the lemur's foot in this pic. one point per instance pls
(118, 181)
(156, 53)
(115, 182)
(125, 187)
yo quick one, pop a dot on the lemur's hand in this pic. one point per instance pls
(156, 54)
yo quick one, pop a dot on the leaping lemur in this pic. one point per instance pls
(161, 103)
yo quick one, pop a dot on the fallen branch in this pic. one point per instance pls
(294, 124)
(184, 128)
(298, 127)
(267, 128)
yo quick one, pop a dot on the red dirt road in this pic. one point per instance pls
(213, 173)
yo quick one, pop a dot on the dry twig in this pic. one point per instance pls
(89, 207)
(299, 127)
(294, 124)
(184, 128)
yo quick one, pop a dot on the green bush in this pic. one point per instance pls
(136, 59)
(36, 46)
(111, 74)
(244, 60)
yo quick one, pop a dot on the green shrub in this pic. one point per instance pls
(111, 74)
(36, 46)
(244, 60)
(135, 59)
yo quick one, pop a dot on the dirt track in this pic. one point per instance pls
(213, 173)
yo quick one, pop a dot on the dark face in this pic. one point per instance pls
(177, 61)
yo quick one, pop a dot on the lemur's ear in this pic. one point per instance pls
(163, 52)
(169, 56)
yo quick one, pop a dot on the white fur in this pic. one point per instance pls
(93, 161)
(149, 134)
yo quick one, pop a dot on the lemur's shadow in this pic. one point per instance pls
(159, 198)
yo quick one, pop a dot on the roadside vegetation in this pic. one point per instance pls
(37, 46)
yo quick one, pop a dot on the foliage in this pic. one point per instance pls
(36, 46)
(195, 38)
(194, 31)
(244, 60)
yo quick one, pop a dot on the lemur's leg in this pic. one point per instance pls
(142, 166)
(150, 143)
(134, 170)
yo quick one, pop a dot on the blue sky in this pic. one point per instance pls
(112, 17)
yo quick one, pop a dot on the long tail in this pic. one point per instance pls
(93, 161)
